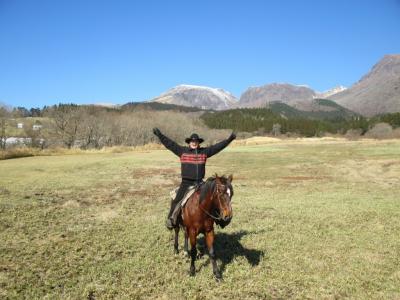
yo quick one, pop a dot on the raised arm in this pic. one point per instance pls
(214, 149)
(168, 143)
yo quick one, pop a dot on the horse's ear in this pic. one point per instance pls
(230, 178)
(217, 179)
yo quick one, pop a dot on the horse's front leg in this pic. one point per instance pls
(176, 250)
(185, 246)
(210, 246)
(193, 251)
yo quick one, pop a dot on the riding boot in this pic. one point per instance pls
(169, 223)
(175, 213)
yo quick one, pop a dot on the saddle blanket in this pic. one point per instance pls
(189, 193)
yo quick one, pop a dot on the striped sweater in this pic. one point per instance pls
(193, 161)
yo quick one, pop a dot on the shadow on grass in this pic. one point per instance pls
(227, 246)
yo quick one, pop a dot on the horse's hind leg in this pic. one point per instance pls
(193, 251)
(176, 250)
(210, 246)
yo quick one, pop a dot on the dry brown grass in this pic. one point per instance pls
(17, 152)
(313, 219)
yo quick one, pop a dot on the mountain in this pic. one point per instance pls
(300, 97)
(378, 92)
(282, 92)
(198, 96)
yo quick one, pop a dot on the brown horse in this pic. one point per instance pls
(211, 204)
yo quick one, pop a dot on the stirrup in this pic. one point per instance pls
(169, 224)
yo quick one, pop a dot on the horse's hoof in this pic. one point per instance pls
(176, 251)
(218, 276)
(192, 272)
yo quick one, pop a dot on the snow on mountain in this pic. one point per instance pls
(328, 93)
(199, 96)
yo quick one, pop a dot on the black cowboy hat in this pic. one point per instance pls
(194, 137)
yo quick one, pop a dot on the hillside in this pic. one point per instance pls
(280, 118)
(158, 107)
(321, 109)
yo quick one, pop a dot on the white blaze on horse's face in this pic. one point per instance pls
(225, 205)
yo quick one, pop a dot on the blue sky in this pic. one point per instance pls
(118, 51)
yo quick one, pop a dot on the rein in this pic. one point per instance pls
(210, 215)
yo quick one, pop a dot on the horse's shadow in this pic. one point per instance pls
(227, 246)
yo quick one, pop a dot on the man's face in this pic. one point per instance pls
(194, 144)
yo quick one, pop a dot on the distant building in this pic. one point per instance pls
(17, 141)
(37, 127)
(20, 125)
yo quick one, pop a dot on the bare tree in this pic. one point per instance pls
(35, 138)
(4, 116)
(67, 122)
(92, 128)
(276, 129)
(353, 134)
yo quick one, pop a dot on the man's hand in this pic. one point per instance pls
(156, 131)
(233, 136)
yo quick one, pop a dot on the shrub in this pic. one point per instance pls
(380, 131)
(353, 134)
(17, 152)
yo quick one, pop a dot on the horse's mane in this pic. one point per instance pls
(210, 184)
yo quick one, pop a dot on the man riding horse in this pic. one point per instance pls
(193, 161)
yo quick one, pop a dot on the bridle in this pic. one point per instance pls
(218, 193)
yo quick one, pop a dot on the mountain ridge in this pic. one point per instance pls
(200, 96)
(377, 92)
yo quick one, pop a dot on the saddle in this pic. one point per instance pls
(190, 191)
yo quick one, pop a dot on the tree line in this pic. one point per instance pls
(264, 120)
(90, 126)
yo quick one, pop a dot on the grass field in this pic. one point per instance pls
(317, 220)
